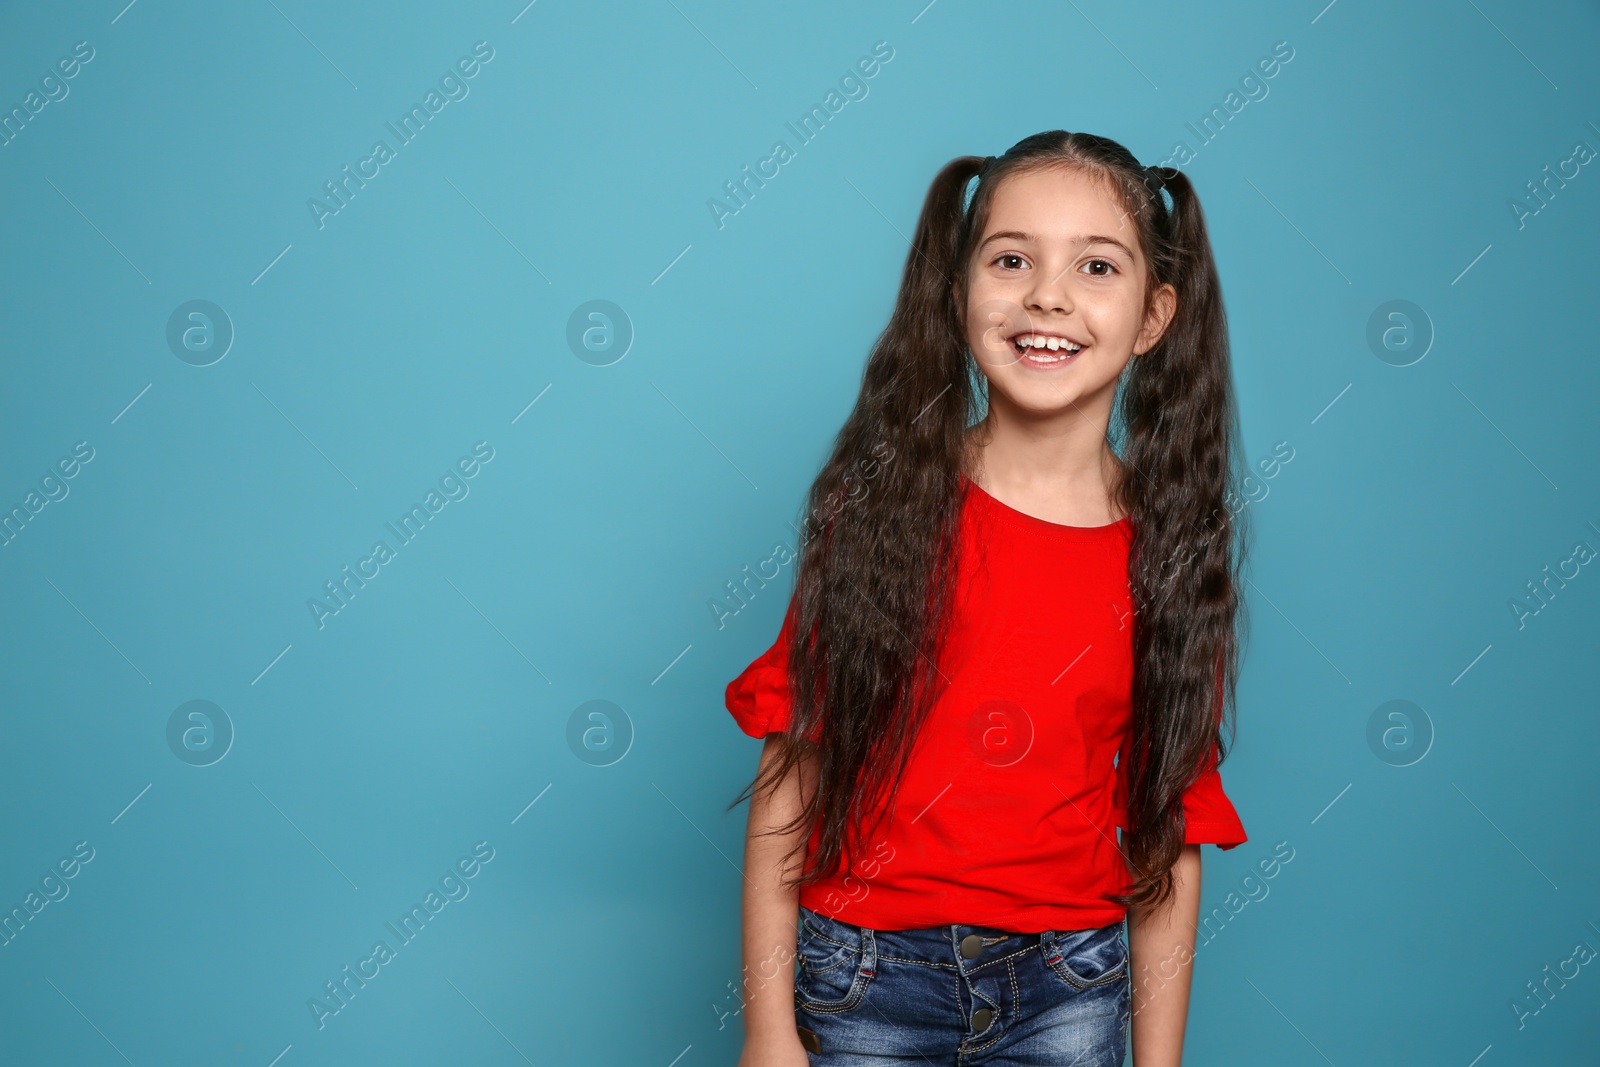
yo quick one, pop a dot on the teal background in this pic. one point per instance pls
(436, 709)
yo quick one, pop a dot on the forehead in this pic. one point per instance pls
(1057, 203)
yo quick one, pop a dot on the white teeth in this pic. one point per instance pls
(1041, 341)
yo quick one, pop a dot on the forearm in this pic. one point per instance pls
(771, 910)
(1161, 950)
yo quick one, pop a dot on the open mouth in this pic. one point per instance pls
(1046, 349)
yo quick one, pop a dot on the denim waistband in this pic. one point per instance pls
(969, 944)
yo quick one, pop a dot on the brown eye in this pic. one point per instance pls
(1002, 257)
(1111, 268)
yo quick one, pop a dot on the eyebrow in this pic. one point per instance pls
(1086, 239)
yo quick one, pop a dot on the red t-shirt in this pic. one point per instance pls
(1008, 810)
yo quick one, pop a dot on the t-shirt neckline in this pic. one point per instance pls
(1032, 522)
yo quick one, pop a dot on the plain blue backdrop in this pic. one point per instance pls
(180, 492)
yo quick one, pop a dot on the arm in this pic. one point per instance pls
(771, 913)
(1161, 947)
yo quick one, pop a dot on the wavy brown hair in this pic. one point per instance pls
(874, 586)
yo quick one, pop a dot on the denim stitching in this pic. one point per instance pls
(997, 1019)
(934, 963)
(957, 990)
(975, 970)
(858, 987)
(1001, 1032)
(824, 937)
(1003, 959)
(1127, 1013)
(1059, 966)
(963, 1049)
(843, 957)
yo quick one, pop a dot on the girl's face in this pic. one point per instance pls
(1057, 266)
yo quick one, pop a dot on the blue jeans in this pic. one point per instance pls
(960, 995)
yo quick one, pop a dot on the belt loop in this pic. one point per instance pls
(869, 951)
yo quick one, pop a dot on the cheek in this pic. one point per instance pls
(992, 314)
(1109, 317)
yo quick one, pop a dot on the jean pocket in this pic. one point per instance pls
(1085, 959)
(833, 974)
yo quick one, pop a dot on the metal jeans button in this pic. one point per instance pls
(971, 945)
(981, 1019)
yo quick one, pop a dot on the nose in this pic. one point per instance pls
(1049, 292)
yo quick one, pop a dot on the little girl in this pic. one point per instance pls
(1006, 641)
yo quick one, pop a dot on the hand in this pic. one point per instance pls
(779, 1047)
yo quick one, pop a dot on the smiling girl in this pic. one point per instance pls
(1015, 640)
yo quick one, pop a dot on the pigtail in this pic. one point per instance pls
(872, 587)
(1182, 433)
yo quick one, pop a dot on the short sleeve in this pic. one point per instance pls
(758, 698)
(1209, 817)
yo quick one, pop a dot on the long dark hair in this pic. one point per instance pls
(875, 579)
